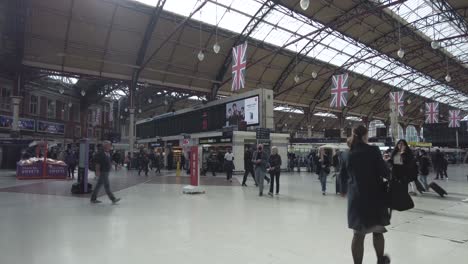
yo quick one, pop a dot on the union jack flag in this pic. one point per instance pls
(397, 99)
(239, 63)
(339, 91)
(432, 113)
(454, 118)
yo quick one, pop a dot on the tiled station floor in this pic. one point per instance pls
(41, 223)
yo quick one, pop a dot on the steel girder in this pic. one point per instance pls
(451, 14)
(246, 32)
(144, 47)
(108, 34)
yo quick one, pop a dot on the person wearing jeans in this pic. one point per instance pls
(260, 160)
(275, 170)
(103, 162)
(324, 162)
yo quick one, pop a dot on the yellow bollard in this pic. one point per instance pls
(178, 169)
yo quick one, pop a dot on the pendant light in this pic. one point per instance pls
(400, 52)
(304, 4)
(83, 93)
(150, 100)
(70, 104)
(61, 90)
(201, 55)
(408, 101)
(356, 93)
(314, 74)
(448, 78)
(139, 110)
(435, 44)
(372, 91)
(216, 46)
(126, 109)
(296, 78)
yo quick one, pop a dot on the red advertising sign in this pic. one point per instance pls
(194, 166)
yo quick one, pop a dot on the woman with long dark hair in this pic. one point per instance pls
(403, 162)
(364, 170)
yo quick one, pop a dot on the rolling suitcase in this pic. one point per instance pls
(434, 186)
(419, 186)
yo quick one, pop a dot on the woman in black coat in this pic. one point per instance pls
(274, 170)
(364, 169)
(403, 163)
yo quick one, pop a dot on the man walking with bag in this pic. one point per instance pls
(103, 162)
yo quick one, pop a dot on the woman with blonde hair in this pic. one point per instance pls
(274, 170)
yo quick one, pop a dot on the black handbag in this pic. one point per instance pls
(397, 196)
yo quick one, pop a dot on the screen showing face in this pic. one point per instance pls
(242, 110)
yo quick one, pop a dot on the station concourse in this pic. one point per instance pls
(233, 131)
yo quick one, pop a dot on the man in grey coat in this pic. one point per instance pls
(260, 159)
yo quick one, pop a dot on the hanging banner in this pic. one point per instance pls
(396, 98)
(239, 64)
(432, 113)
(339, 91)
(454, 118)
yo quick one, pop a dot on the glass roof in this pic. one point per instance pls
(280, 28)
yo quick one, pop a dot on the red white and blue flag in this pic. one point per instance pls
(454, 118)
(397, 99)
(239, 64)
(339, 90)
(432, 113)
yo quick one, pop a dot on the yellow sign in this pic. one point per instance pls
(420, 144)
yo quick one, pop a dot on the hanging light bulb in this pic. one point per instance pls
(372, 91)
(435, 44)
(297, 78)
(165, 101)
(139, 110)
(83, 93)
(314, 74)
(126, 109)
(201, 56)
(216, 48)
(121, 117)
(421, 110)
(401, 53)
(408, 101)
(70, 104)
(323, 119)
(448, 78)
(290, 116)
(63, 109)
(150, 100)
(61, 90)
(304, 4)
(356, 93)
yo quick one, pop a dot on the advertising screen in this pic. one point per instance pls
(242, 110)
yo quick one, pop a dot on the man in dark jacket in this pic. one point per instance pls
(438, 164)
(248, 167)
(260, 159)
(103, 166)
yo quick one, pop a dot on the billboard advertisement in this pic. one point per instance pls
(49, 127)
(242, 110)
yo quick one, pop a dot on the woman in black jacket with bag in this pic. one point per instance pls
(274, 170)
(364, 171)
(403, 162)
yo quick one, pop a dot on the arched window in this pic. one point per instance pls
(411, 134)
(373, 125)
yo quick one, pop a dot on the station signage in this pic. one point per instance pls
(215, 140)
(49, 127)
(23, 123)
(262, 133)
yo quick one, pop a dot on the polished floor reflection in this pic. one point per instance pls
(156, 223)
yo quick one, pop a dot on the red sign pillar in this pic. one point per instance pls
(194, 180)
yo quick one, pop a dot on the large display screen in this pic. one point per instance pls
(242, 110)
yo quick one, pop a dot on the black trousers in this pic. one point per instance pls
(71, 171)
(229, 174)
(275, 175)
(103, 179)
(246, 173)
(143, 167)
